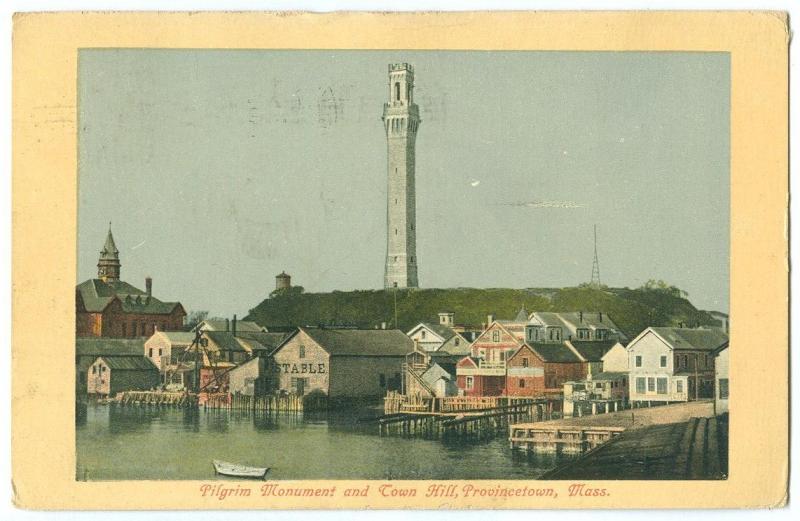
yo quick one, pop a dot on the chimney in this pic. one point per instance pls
(148, 286)
(600, 314)
(580, 316)
(489, 320)
(233, 325)
(227, 324)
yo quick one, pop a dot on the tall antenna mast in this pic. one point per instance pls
(596, 263)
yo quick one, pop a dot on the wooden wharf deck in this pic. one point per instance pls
(476, 423)
(560, 438)
(695, 449)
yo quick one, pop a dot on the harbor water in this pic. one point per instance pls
(121, 443)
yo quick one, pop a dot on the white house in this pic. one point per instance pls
(440, 337)
(673, 364)
(616, 359)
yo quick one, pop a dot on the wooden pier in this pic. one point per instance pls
(557, 439)
(221, 401)
(479, 423)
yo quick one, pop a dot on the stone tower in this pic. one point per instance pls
(401, 121)
(108, 266)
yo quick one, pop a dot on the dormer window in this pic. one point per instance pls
(495, 336)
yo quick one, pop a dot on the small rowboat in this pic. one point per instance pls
(239, 471)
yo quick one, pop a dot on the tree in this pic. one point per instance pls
(662, 287)
(194, 318)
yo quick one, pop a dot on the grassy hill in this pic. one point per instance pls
(632, 309)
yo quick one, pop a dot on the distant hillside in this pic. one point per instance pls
(632, 310)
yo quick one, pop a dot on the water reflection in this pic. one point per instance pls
(166, 443)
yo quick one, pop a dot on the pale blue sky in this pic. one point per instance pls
(219, 169)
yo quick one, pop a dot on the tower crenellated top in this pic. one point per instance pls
(394, 67)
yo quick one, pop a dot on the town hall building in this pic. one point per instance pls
(108, 307)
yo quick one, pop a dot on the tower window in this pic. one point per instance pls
(397, 91)
(395, 231)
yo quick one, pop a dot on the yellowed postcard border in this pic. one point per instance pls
(44, 235)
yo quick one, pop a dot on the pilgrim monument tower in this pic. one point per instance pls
(401, 121)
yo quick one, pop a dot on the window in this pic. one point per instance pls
(661, 385)
(651, 384)
(638, 360)
(663, 360)
(397, 91)
(600, 334)
(159, 351)
(299, 385)
(521, 383)
(525, 362)
(640, 385)
(422, 336)
(624, 382)
(723, 388)
(94, 369)
(301, 351)
(495, 336)
(457, 342)
(150, 353)
(598, 385)
(679, 387)
(470, 382)
(124, 329)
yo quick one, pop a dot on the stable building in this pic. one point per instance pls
(342, 363)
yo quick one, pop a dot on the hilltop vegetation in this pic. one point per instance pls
(632, 309)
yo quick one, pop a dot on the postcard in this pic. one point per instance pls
(421, 260)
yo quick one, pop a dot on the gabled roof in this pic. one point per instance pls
(554, 353)
(360, 342)
(443, 332)
(224, 341)
(242, 326)
(97, 294)
(262, 341)
(471, 359)
(522, 316)
(177, 337)
(692, 339)
(436, 372)
(129, 363)
(95, 346)
(546, 318)
(593, 351)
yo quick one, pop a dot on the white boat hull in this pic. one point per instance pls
(239, 471)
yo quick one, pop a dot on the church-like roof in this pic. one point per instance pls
(97, 294)
(109, 250)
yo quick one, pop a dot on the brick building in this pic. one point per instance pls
(108, 307)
